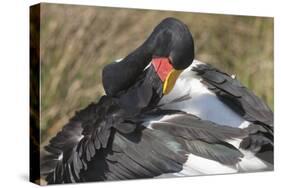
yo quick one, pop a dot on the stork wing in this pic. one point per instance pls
(87, 151)
(162, 146)
(244, 102)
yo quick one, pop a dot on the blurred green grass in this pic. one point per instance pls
(77, 41)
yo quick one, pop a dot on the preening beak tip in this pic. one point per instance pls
(170, 81)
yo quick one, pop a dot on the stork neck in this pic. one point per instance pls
(144, 93)
(121, 75)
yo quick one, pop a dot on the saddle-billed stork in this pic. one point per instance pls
(164, 114)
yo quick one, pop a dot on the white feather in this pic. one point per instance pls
(60, 156)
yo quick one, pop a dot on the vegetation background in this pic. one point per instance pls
(77, 41)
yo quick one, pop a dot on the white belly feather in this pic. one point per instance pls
(202, 102)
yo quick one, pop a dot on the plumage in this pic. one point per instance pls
(209, 123)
